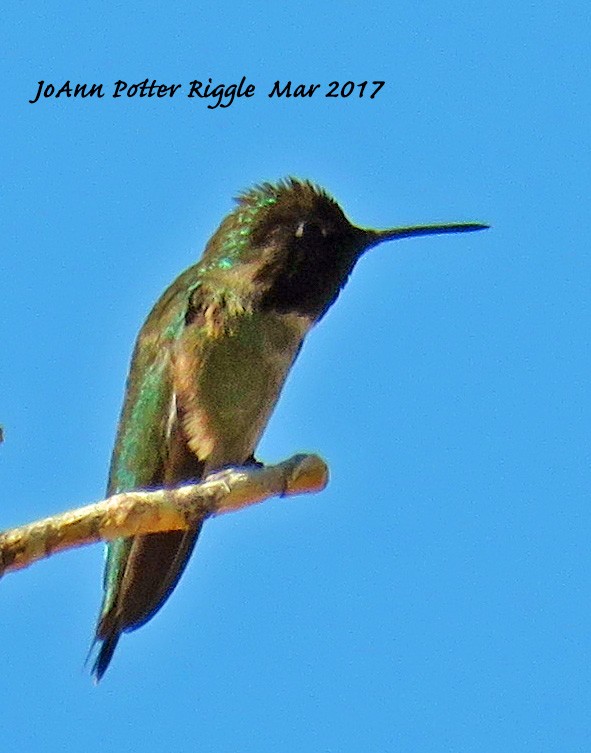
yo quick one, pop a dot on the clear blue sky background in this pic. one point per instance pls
(436, 597)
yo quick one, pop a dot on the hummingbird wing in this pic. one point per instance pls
(151, 451)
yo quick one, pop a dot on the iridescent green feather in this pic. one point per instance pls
(139, 453)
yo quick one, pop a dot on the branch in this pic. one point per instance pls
(141, 512)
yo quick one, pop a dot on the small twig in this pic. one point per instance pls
(141, 512)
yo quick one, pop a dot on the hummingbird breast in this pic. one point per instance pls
(227, 386)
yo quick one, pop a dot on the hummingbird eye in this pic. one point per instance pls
(310, 230)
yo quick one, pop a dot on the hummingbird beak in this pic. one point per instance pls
(373, 237)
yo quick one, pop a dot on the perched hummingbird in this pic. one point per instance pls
(209, 365)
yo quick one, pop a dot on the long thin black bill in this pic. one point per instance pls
(413, 230)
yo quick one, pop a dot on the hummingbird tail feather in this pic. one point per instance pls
(105, 654)
(154, 565)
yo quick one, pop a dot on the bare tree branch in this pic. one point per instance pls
(140, 512)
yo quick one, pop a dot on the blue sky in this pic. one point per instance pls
(436, 596)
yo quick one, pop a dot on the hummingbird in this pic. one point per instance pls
(209, 365)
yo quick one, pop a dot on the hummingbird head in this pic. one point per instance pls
(298, 246)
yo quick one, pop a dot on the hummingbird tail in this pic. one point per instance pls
(105, 655)
(153, 568)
